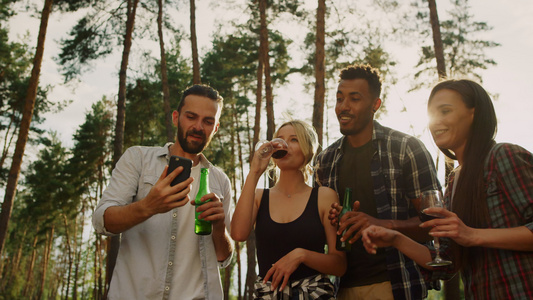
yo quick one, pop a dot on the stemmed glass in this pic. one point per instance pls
(277, 148)
(432, 198)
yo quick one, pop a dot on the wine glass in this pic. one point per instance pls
(432, 198)
(277, 148)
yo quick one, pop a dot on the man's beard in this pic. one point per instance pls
(191, 147)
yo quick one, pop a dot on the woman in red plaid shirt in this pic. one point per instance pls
(487, 228)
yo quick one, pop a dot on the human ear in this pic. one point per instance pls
(377, 105)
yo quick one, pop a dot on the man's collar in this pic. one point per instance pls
(165, 151)
(377, 131)
(203, 161)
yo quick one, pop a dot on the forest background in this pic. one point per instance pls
(84, 104)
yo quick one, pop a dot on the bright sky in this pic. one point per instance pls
(509, 79)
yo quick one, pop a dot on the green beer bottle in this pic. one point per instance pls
(202, 227)
(344, 246)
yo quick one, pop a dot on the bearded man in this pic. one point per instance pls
(160, 256)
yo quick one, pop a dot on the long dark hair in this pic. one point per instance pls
(470, 201)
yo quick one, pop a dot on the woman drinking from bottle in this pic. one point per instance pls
(488, 219)
(291, 221)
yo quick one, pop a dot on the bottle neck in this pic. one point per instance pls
(204, 182)
(347, 198)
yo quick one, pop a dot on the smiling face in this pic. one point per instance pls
(197, 122)
(450, 120)
(355, 108)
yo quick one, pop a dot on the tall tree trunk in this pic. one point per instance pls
(99, 289)
(29, 105)
(250, 242)
(114, 242)
(195, 63)
(320, 73)
(15, 262)
(234, 133)
(263, 48)
(63, 285)
(29, 276)
(46, 259)
(85, 284)
(54, 286)
(241, 173)
(258, 105)
(164, 75)
(121, 105)
(69, 256)
(251, 276)
(77, 251)
(437, 39)
(269, 99)
(8, 140)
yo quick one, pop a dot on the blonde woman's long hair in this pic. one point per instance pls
(308, 141)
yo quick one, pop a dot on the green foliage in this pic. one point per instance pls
(231, 67)
(276, 8)
(88, 41)
(464, 53)
(144, 114)
(179, 71)
(16, 60)
(231, 62)
(59, 185)
(90, 162)
(145, 121)
(94, 36)
(48, 188)
(290, 6)
(37, 209)
(6, 9)
(344, 47)
(74, 5)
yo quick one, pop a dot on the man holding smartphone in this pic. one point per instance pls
(160, 256)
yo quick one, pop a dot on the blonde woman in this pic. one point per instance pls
(291, 222)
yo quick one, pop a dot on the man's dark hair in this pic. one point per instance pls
(367, 72)
(201, 90)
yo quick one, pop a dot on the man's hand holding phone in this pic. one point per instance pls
(171, 189)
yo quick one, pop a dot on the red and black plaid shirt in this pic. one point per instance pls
(498, 273)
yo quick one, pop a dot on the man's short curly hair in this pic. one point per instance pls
(364, 71)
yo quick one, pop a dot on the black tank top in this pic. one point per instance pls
(274, 240)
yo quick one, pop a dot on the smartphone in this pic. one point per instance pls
(176, 161)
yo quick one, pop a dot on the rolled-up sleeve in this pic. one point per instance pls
(122, 187)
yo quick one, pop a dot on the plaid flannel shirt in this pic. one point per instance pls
(401, 168)
(499, 273)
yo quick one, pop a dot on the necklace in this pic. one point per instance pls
(289, 195)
